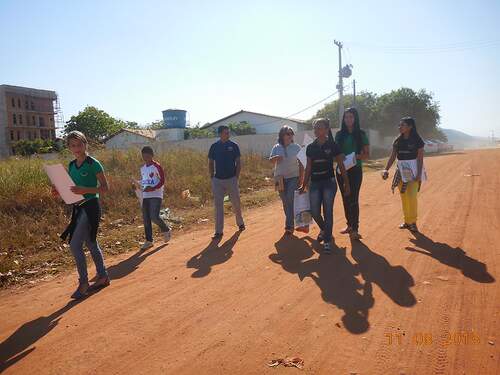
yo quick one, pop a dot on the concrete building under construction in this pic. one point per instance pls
(26, 114)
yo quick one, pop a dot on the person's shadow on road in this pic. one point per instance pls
(291, 252)
(212, 255)
(395, 281)
(13, 348)
(334, 275)
(454, 257)
(131, 264)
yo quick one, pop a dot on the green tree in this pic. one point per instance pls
(197, 132)
(407, 102)
(94, 123)
(384, 112)
(127, 124)
(158, 124)
(241, 128)
(38, 146)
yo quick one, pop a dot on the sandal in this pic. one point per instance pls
(404, 226)
(81, 291)
(346, 230)
(354, 235)
(101, 282)
(413, 228)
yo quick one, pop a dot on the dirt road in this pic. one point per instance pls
(392, 304)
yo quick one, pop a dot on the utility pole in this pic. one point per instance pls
(340, 86)
(354, 93)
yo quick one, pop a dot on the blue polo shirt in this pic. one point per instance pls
(224, 154)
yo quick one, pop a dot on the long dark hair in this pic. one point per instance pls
(410, 121)
(357, 133)
(281, 135)
(326, 124)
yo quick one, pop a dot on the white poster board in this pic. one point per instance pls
(302, 153)
(62, 182)
(409, 170)
(301, 210)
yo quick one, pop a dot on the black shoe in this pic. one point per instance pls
(413, 228)
(81, 292)
(327, 248)
(217, 236)
(242, 227)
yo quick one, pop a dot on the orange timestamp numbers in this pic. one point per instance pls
(427, 338)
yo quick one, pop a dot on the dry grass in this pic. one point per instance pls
(31, 219)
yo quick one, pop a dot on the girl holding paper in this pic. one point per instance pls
(408, 148)
(354, 144)
(88, 175)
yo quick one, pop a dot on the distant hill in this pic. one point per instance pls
(461, 139)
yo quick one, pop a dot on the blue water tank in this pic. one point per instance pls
(174, 118)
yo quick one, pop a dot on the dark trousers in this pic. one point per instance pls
(151, 213)
(351, 202)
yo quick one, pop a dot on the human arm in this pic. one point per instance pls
(161, 181)
(101, 189)
(420, 163)
(301, 172)
(365, 147)
(385, 172)
(307, 176)
(211, 168)
(365, 153)
(275, 159)
(343, 172)
(238, 167)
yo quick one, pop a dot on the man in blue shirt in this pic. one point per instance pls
(224, 167)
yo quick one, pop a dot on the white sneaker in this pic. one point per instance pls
(146, 245)
(167, 236)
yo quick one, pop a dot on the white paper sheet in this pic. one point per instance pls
(409, 170)
(307, 140)
(350, 160)
(301, 155)
(138, 191)
(62, 182)
(302, 210)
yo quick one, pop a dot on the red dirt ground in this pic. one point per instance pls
(392, 304)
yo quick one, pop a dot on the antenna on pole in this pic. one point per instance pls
(354, 93)
(344, 72)
(340, 85)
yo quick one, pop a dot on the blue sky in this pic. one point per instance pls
(135, 58)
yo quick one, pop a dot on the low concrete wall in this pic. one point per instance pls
(255, 143)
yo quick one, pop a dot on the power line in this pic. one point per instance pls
(289, 117)
(442, 48)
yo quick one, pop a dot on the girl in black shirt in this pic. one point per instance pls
(407, 146)
(321, 155)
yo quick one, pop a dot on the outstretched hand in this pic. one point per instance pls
(78, 190)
